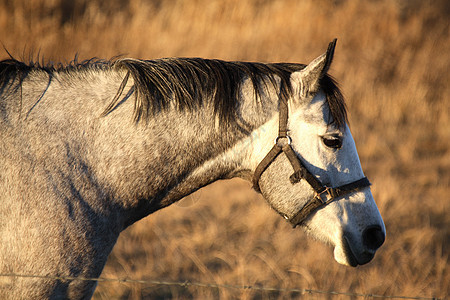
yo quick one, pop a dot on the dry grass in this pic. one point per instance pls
(392, 62)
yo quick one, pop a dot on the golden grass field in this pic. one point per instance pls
(392, 62)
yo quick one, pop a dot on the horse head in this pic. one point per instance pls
(328, 194)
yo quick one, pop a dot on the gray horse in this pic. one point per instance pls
(90, 148)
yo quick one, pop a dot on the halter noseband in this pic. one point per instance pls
(323, 194)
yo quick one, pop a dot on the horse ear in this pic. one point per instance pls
(306, 81)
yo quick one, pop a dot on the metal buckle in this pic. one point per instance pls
(325, 196)
(289, 140)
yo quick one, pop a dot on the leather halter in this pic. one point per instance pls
(323, 194)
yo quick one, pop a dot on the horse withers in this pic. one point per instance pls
(90, 148)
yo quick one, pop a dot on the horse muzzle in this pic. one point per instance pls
(354, 251)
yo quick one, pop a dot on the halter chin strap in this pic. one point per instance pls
(323, 194)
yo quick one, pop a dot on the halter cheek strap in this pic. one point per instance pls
(323, 194)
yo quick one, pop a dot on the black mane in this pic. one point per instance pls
(12, 69)
(190, 82)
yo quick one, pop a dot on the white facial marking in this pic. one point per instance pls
(342, 222)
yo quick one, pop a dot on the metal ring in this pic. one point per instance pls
(283, 137)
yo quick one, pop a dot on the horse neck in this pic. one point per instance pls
(154, 163)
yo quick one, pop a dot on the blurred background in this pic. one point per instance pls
(392, 62)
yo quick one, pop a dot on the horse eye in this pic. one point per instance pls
(332, 142)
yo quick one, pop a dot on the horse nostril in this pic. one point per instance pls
(373, 237)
